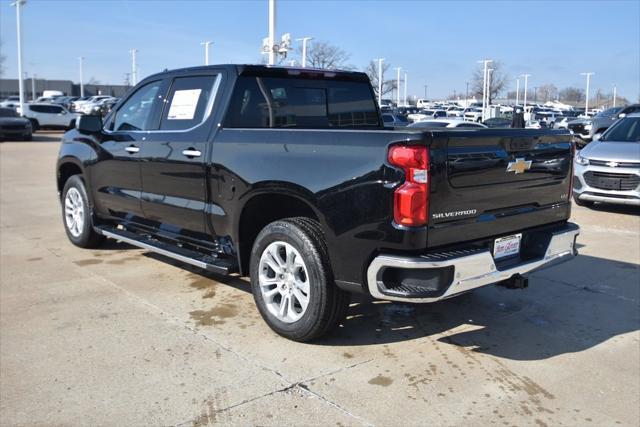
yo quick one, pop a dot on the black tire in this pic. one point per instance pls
(583, 203)
(28, 137)
(327, 303)
(72, 124)
(35, 126)
(87, 237)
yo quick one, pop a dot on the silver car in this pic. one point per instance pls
(608, 169)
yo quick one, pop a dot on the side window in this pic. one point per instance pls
(37, 108)
(137, 112)
(248, 108)
(53, 109)
(189, 102)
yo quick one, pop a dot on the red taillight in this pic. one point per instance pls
(411, 199)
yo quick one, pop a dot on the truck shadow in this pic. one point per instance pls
(566, 309)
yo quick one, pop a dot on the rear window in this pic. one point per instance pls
(261, 102)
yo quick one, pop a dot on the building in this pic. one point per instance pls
(34, 88)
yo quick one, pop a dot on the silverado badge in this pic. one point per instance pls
(519, 166)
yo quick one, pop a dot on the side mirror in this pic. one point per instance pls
(622, 115)
(596, 137)
(90, 124)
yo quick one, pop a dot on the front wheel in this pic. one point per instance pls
(76, 214)
(292, 282)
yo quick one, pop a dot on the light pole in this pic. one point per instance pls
(272, 31)
(586, 101)
(489, 70)
(81, 60)
(615, 90)
(517, 91)
(526, 81)
(206, 51)
(134, 67)
(380, 60)
(304, 41)
(405, 88)
(426, 89)
(18, 4)
(466, 97)
(33, 87)
(484, 86)
(398, 92)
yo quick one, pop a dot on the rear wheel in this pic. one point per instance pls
(35, 126)
(72, 124)
(28, 137)
(76, 214)
(292, 281)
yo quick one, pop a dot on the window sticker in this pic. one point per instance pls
(184, 103)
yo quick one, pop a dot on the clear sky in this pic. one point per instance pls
(437, 42)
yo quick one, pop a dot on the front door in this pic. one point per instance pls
(115, 176)
(174, 195)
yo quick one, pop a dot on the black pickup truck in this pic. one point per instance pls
(289, 176)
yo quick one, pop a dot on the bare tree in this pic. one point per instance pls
(93, 81)
(372, 71)
(322, 54)
(572, 94)
(498, 79)
(547, 92)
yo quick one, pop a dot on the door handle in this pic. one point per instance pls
(190, 152)
(132, 149)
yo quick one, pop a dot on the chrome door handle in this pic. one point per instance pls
(191, 153)
(132, 149)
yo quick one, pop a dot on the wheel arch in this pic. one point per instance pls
(265, 206)
(67, 167)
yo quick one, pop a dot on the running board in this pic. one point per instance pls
(207, 262)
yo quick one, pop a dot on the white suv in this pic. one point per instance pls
(49, 116)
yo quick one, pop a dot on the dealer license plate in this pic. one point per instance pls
(506, 246)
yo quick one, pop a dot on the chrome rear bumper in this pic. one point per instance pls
(469, 271)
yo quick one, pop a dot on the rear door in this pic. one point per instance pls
(174, 193)
(494, 181)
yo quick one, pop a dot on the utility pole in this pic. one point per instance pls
(81, 60)
(484, 86)
(526, 81)
(398, 93)
(405, 88)
(134, 67)
(380, 78)
(18, 4)
(586, 101)
(206, 51)
(304, 41)
(466, 97)
(615, 90)
(272, 32)
(517, 91)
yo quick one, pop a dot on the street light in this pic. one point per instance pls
(426, 89)
(398, 92)
(304, 41)
(586, 101)
(615, 92)
(81, 60)
(18, 5)
(380, 60)
(134, 67)
(517, 91)
(206, 51)
(405, 88)
(484, 86)
(489, 70)
(526, 81)
(272, 31)
(466, 97)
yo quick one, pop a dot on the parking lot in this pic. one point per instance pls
(121, 336)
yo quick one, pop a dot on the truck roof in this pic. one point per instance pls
(271, 71)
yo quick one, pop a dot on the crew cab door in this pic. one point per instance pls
(173, 168)
(115, 176)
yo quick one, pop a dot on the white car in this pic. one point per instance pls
(49, 116)
(455, 112)
(89, 107)
(447, 123)
(426, 115)
(473, 114)
(10, 102)
(79, 104)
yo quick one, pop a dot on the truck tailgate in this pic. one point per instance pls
(486, 183)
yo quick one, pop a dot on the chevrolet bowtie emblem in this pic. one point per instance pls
(519, 166)
(612, 164)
